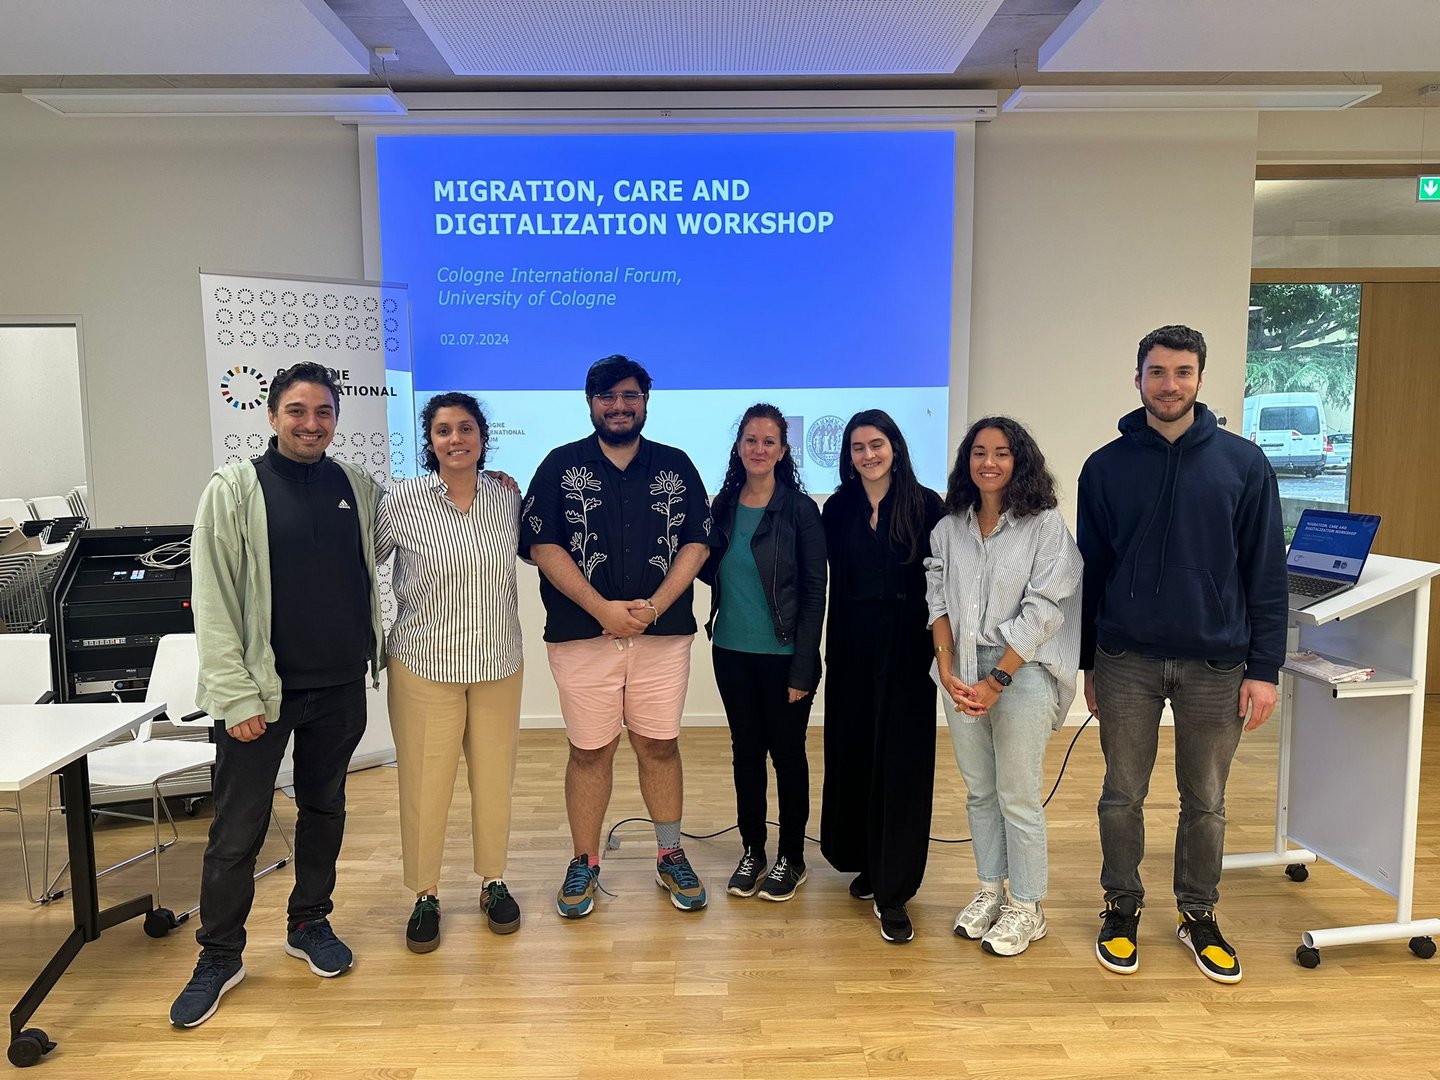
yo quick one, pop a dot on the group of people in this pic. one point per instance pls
(1175, 591)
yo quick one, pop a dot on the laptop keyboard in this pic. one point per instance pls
(1310, 586)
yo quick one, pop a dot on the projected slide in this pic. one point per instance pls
(809, 270)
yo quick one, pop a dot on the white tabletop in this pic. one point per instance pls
(39, 739)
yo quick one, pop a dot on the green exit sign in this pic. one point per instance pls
(1428, 189)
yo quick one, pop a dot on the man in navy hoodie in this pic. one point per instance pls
(1185, 599)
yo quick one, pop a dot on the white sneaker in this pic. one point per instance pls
(1013, 932)
(980, 914)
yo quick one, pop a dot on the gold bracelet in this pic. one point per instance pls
(650, 603)
(944, 648)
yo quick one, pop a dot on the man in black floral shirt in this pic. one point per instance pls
(619, 526)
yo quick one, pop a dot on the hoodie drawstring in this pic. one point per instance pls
(1169, 517)
(1135, 567)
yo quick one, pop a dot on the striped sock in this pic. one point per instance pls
(667, 837)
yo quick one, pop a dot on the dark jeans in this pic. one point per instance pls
(755, 690)
(1130, 691)
(327, 724)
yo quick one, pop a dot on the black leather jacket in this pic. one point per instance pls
(789, 550)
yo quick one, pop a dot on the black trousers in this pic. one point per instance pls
(755, 690)
(879, 753)
(327, 724)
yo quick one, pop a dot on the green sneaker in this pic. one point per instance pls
(577, 893)
(675, 873)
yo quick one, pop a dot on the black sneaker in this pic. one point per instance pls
(502, 913)
(784, 878)
(422, 932)
(894, 923)
(1213, 954)
(748, 872)
(861, 889)
(1118, 946)
(212, 980)
(316, 944)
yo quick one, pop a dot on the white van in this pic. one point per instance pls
(1290, 428)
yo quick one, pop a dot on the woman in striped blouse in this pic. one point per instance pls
(1003, 587)
(454, 657)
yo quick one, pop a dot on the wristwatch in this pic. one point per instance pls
(1001, 677)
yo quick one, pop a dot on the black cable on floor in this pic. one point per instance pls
(611, 844)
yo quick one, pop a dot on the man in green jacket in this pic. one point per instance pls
(287, 621)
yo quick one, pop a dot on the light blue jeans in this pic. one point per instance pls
(1002, 758)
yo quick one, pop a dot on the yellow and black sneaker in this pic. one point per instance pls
(1117, 948)
(1213, 954)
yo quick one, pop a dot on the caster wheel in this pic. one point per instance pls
(160, 922)
(1297, 871)
(1423, 947)
(29, 1047)
(1307, 957)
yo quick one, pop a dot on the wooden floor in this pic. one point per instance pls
(748, 988)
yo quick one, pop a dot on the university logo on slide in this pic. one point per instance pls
(823, 440)
(243, 387)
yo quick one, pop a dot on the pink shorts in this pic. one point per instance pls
(608, 683)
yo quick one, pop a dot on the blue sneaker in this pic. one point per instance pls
(577, 894)
(316, 944)
(212, 980)
(675, 874)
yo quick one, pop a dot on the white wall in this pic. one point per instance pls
(42, 431)
(1090, 231)
(112, 219)
(1330, 251)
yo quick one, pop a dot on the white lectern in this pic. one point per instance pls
(1349, 773)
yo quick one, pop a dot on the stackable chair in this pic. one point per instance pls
(49, 507)
(25, 679)
(147, 761)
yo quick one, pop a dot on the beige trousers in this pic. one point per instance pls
(432, 722)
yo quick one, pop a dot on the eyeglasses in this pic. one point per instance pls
(630, 397)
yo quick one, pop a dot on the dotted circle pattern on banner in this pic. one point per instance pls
(372, 343)
(288, 298)
(331, 302)
(392, 344)
(372, 323)
(291, 319)
(267, 296)
(338, 440)
(268, 318)
(377, 438)
(312, 320)
(247, 337)
(351, 303)
(247, 318)
(245, 296)
(390, 306)
(312, 341)
(255, 441)
(223, 295)
(269, 339)
(232, 441)
(292, 339)
(225, 337)
(332, 341)
(224, 316)
(332, 322)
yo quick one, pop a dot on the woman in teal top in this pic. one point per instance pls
(767, 606)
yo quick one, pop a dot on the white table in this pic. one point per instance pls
(39, 740)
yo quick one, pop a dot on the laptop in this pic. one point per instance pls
(1327, 553)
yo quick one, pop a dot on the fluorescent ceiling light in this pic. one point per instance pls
(1166, 98)
(165, 102)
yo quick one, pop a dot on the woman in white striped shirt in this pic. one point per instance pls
(1003, 587)
(454, 657)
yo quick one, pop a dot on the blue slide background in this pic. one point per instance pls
(865, 304)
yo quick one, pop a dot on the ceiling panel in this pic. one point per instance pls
(520, 38)
(162, 37)
(1247, 35)
(1343, 208)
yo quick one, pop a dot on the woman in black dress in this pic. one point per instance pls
(880, 703)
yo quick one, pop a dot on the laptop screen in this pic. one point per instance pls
(1332, 544)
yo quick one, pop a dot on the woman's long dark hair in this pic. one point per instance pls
(452, 400)
(907, 516)
(1031, 488)
(735, 474)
